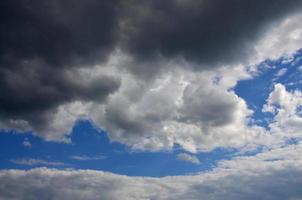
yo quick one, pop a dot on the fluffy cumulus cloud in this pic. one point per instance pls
(171, 109)
(286, 107)
(161, 77)
(274, 174)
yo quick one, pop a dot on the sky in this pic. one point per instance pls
(174, 99)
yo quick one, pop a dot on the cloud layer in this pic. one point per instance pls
(275, 174)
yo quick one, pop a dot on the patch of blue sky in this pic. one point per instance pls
(255, 91)
(88, 142)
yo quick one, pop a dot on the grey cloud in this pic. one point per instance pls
(272, 185)
(34, 91)
(36, 86)
(208, 32)
(73, 32)
(41, 44)
(59, 32)
(209, 106)
(122, 117)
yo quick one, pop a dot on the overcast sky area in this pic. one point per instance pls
(151, 99)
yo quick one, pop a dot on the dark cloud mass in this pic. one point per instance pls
(36, 88)
(209, 32)
(59, 32)
(43, 42)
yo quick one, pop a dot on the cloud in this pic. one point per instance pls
(274, 174)
(26, 143)
(31, 95)
(282, 39)
(178, 107)
(285, 106)
(42, 45)
(209, 32)
(153, 74)
(85, 158)
(36, 162)
(148, 79)
(281, 72)
(59, 32)
(188, 158)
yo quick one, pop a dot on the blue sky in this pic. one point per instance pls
(256, 90)
(101, 154)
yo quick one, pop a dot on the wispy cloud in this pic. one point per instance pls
(281, 72)
(33, 161)
(26, 143)
(85, 158)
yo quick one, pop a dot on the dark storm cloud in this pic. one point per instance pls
(208, 32)
(41, 42)
(60, 32)
(35, 88)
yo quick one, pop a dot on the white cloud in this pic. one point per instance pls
(274, 174)
(281, 39)
(281, 72)
(85, 158)
(179, 107)
(284, 105)
(35, 162)
(26, 143)
(188, 158)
